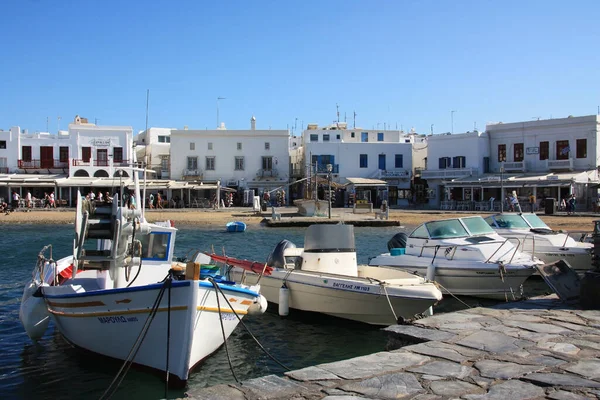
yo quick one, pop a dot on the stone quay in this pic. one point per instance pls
(539, 348)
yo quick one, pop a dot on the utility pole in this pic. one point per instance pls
(354, 124)
(337, 108)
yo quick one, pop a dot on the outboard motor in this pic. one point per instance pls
(398, 241)
(276, 258)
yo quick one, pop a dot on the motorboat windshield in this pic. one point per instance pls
(453, 228)
(516, 221)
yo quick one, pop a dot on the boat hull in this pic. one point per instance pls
(345, 297)
(109, 322)
(476, 279)
(309, 208)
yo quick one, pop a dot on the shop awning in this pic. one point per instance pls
(359, 182)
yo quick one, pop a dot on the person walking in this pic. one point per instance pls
(514, 201)
(151, 201)
(532, 202)
(159, 201)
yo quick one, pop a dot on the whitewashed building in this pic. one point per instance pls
(362, 153)
(252, 159)
(552, 158)
(153, 147)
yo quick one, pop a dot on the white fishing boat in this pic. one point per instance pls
(464, 255)
(537, 238)
(324, 277)
(120, 295)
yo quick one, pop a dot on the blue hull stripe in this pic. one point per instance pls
(229, 288)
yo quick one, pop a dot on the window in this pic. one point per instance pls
(398, 162)
(486, 165)
(63, 154)
(26, 153)
(364, 137)
(380, 137)
(352, 134)
(2, 144)
(459, 162)
(210, 146)
(544, 150)
(239, 163)
(501, 152)
(562, 150)
(444, 162)
(382, 163)
(314, 137)
(118, 154)
(518, 152)
(337, 136)
(581, 148)
(164, 163)
(86, 154)
(364, 161)
(267, 146)
(162, 139)
(210, 163)
(192, 146)
(239, 146)
(155, 246)
(326, 138)
(267, 163)
(192, 163)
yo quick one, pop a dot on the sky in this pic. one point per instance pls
(435, 66)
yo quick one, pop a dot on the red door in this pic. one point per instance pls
(46, 157)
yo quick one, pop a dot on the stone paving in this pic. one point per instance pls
(535, 349)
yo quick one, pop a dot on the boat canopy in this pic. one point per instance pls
(324, 237)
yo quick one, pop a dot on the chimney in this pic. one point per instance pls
(253, 123)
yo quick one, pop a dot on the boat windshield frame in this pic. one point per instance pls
(480, 228)
(447, 229)
(535, 222)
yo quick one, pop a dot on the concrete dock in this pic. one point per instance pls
(540, 348)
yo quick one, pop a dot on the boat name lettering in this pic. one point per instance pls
(228, 317)
(119, 319)
(351, 286)
(561, 255)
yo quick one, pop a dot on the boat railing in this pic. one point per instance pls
(455, 247)
(521, 243)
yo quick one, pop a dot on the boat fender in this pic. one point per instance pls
(431, 272)
(259, 306)
(284, 300)
(34, 313)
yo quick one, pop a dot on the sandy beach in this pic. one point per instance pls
(209, 217)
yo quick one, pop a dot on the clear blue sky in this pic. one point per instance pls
(408, 63)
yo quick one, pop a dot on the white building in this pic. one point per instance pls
(362, 153)
(153, 147)
(253, 159)
(549, 158)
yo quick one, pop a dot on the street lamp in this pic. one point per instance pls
(502, 188)
(329, 169)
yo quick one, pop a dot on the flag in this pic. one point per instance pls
(565, 150)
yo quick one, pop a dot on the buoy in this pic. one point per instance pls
(431, 272)
(259, 306)
(284, 300)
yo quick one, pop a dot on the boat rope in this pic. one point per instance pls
(248, 330)
(262, 273)
(389, 301)
(451, 294)
(140, 267)
(128, 269)
(118, 379)
(216, 286)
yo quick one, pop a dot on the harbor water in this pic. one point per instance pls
(53, 369)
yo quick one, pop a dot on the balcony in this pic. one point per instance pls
(42, 164)
(518, 166)
(81, 163)
(449, 173)
(296, 172)
(322, 168)
(267, 173)
(559, 165)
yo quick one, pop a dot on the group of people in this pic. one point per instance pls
(155, 202)
(49, 200)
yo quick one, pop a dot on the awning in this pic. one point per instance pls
(359, 182)
(520, 180)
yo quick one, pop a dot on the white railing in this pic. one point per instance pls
(446, 173)
(514, 166)
(560, 164)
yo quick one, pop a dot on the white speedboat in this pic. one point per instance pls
(119, 294)
(310, 207)
(324, 277)
(464, 255)
(537, 238)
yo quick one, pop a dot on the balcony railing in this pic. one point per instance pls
(3, 170)
(191, 174)
(514, 166)
(296, 172)
(262, 173)
(446, 173)
(560, 164)
(81, 163)
(322, 168)
(42, 164)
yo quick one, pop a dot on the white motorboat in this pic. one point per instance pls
(120, 295)
(537, 238)
(310, 207)
(464, 255)
(324, 277)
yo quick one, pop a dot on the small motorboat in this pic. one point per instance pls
(120, 295)
(537, 238)
(324, 277)
(464, 255)
(235, 226)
